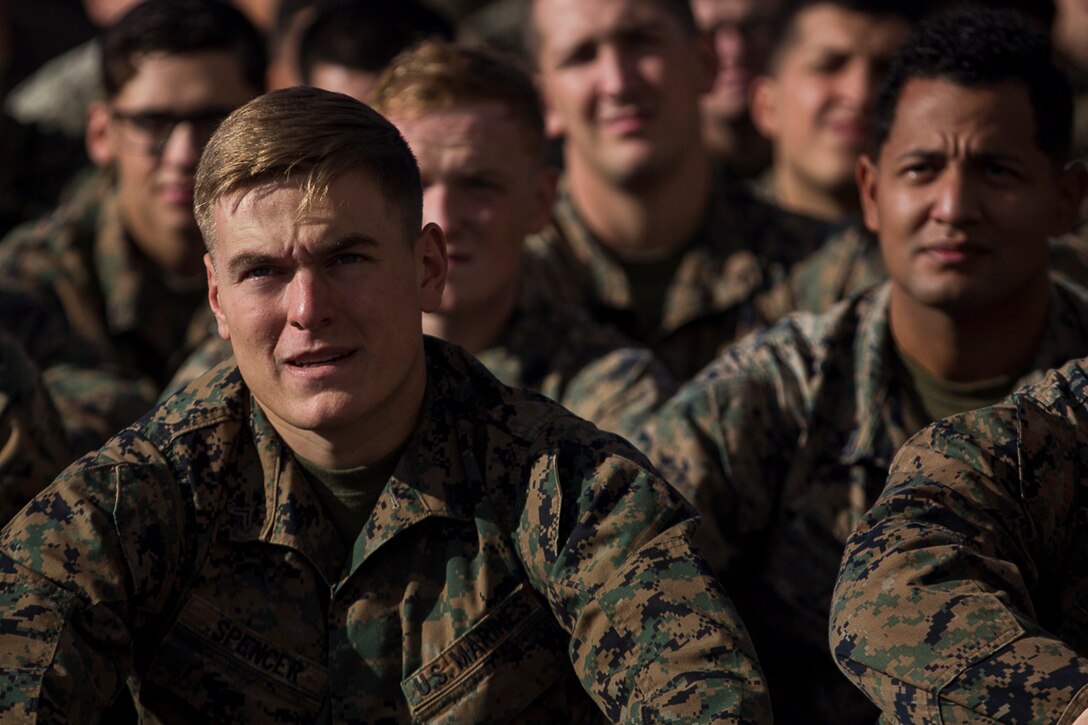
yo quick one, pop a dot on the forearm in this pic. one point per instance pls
(662, 642)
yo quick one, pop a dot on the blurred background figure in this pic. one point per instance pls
(349, 43)
(815, 101)
(742, 34)
(56, 97)
(122, 259)
(291, 20)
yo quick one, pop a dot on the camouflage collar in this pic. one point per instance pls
(118, 268)
(716, 274)
(436, 477)
(884, 417)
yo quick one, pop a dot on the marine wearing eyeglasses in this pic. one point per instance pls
(123, 256)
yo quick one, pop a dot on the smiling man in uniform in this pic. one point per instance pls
(123, 257)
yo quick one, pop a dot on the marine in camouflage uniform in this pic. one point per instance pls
(592, 370)
(962, 596)
(733, 278)
(126, 315)
(516, 556)
(782, 444)
(122, 258)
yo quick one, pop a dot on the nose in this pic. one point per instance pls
(730, 44)
(857, 83)
(956, 201)
(617, 71)
(183, 146)
(308, 301)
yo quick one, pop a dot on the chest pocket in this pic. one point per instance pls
(213, 667)
(494, 671)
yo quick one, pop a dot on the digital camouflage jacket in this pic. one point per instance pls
(782, 444)
(126, 317)
(33, 447)
(734, 277)
(517, 559)
(963, 595)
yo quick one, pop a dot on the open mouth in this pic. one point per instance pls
(313, 363)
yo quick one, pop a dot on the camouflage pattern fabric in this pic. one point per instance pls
(517, 559)
(33, 445)
(36, 365)
(124, 315)
(592, 370)
(963, 595)
(733, 279)
(782, 444)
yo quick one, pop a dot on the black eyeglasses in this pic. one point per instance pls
(152, 129)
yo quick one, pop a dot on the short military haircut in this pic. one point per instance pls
(367, 36)
(974, 47)
(437, 76)
(784, 22)
(306, 137)
(680, 9)
(179, 27)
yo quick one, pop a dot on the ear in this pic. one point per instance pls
(431, 261)
(213, 298)
(1072, 185)
(865, 172)
(546, 186)
(763, 106)
(99, 138)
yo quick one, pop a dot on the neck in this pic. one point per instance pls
(797, 195)
(649, 219)
(964, 347)
(360, 442)
(474, 329)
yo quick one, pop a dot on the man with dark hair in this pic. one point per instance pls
(815, 101)
(349, 522)
(123, 257)
(348, 44)
(784, 442)
(643, 234)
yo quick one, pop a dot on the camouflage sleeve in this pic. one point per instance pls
(934, 616)
(620, 391)
(33, 445)
(95, 402)
(654, 638)
(85, 572)
(724, 442)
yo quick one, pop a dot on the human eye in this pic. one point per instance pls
(150, 125)
(257, 272)
(999, 170)
(828, 63)
(919, 170)
(344, 258)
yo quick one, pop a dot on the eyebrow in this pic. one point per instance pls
(917, 153)
(249, 260)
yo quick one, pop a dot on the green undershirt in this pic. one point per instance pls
(942, 398)
(649, 282)
(349, 496)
